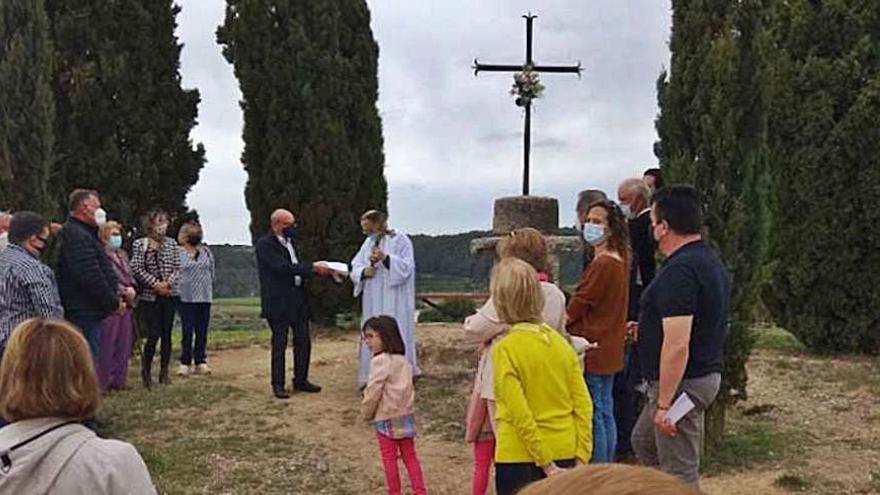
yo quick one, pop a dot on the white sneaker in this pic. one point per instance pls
(203, 369)
(184, 370)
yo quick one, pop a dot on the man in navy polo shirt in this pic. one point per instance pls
(682, 328)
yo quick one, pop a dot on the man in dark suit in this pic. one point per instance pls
(284, 300)
(634, 196)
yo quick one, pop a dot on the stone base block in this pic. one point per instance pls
(516, 212)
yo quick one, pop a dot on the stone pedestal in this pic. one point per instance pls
(526, 211)
(537, 212)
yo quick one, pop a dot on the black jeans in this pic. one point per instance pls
(627, 400)
(302, 350)
(511, 477)
(158, 318)
(194, 319)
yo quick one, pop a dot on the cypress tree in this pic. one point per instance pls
(123, 120)
(26, 107)
(312, 133)
(713, 131)
(825, 142)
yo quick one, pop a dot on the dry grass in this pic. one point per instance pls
(810, 426)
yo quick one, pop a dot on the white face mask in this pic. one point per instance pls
(100, 216)
(161, 229)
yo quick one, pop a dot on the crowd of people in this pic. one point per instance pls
(572, 382)
(93, 304)
(566, 385)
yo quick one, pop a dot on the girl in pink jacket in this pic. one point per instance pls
(388, 402)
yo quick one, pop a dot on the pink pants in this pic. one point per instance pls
(406, 449)
(484, 456)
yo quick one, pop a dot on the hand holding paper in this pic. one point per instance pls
(680, 408)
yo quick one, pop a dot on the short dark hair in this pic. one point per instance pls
(680, 207)
(587, 197)
(78, 197)
(25, 224)
(388, 331)
(657, 174)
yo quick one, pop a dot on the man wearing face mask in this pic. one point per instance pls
(86, 278)
(682, 329)
(634, 196)
(284, 300)
(384, 274)
(27, 286)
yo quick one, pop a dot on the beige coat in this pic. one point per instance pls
(389, 393)
(69, 460)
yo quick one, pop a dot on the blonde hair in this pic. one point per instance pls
(188, 228)
(47, 371)
(526, 244)
(611, 479)
(516, 291)
(106, 230)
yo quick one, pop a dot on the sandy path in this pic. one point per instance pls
(330, 419)
(842, 456)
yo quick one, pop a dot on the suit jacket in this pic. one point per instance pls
(280, 297)
(644, 264)
(86, 279)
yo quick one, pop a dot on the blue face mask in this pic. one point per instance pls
(625, 209)
(116, 241)
(290, 233)
(593, 233)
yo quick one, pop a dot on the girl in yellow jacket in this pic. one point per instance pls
(543, 409)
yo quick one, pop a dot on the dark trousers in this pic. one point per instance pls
(194, 321)
(302, 350)
(627, 400)
(91, 329)
(158, 318)
(510, 477)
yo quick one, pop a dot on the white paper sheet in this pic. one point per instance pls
(680, 408)
(336, 266)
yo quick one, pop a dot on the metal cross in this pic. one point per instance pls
(553, 69)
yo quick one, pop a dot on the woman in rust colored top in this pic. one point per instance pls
(597, 312)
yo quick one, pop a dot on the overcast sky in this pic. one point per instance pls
(453, 142)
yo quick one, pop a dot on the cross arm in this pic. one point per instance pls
(556, 69)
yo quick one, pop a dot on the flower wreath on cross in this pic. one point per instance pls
(526, 86)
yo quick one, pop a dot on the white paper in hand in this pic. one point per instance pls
(338, 267)
(680, 408)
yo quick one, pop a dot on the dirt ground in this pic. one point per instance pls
(827, 408)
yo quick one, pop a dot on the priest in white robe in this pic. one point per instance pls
(384, 274)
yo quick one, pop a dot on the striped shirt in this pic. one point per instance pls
(195, 279)
(150, 266)
(27, 290)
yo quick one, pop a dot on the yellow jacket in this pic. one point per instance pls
(543, 409)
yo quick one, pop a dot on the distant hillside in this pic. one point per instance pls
(444, 264)
(236, 271)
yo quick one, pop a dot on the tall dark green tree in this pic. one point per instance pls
(713, 132)
(825, 142)
(27, 110)
(123, 120)
(312, 133)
